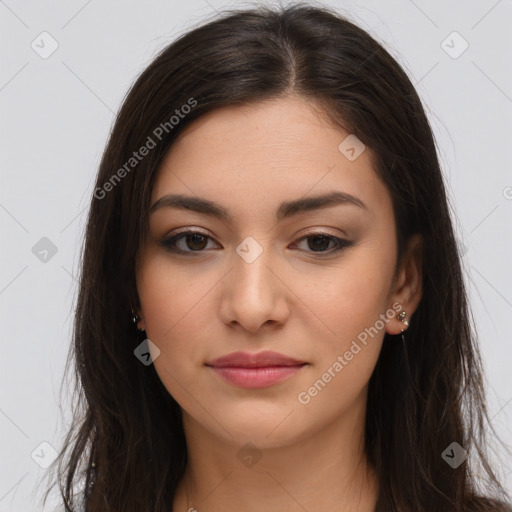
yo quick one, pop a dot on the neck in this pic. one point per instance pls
(326, 470)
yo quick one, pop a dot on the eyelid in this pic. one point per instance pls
(189, 229)
(320, 231)
(310, 232)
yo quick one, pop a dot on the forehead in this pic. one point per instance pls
(253, 155)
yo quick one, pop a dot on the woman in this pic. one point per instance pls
(272, 314)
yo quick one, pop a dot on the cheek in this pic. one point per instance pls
(351, 294)
(166, 291)
(353, 306)
(173, 304)
(176, 304)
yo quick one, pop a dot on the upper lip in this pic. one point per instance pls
(247, 360)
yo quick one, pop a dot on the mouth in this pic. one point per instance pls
(256, 377)
(260, 370)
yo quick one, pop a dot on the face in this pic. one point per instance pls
(314, 284)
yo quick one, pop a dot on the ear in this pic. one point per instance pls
(407, 289)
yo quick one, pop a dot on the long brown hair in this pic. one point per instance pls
(126, 446)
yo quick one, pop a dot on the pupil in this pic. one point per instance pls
(321, 245)
(196, 239)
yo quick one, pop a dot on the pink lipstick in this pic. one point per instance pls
(259, 370)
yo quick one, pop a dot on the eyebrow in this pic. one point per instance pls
(286, 209)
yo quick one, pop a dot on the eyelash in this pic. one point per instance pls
(170, 243)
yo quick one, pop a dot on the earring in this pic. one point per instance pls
(135, 319)
(403, 318)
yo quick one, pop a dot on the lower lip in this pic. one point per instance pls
(256, 377)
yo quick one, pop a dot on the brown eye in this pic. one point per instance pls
(189, 241)
(195, 241)
(319, 243)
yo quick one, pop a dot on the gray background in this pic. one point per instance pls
(56, 114)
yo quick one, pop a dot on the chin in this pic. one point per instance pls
(262, 428)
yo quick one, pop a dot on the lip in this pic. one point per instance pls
(261, 359)
(259, 370)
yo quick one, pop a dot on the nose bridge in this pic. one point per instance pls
(251, 296)
(251, 273)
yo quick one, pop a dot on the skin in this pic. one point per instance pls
(303, 303)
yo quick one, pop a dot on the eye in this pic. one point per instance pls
(193, 241)
(319, 242)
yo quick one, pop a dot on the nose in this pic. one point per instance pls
(254, 294)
